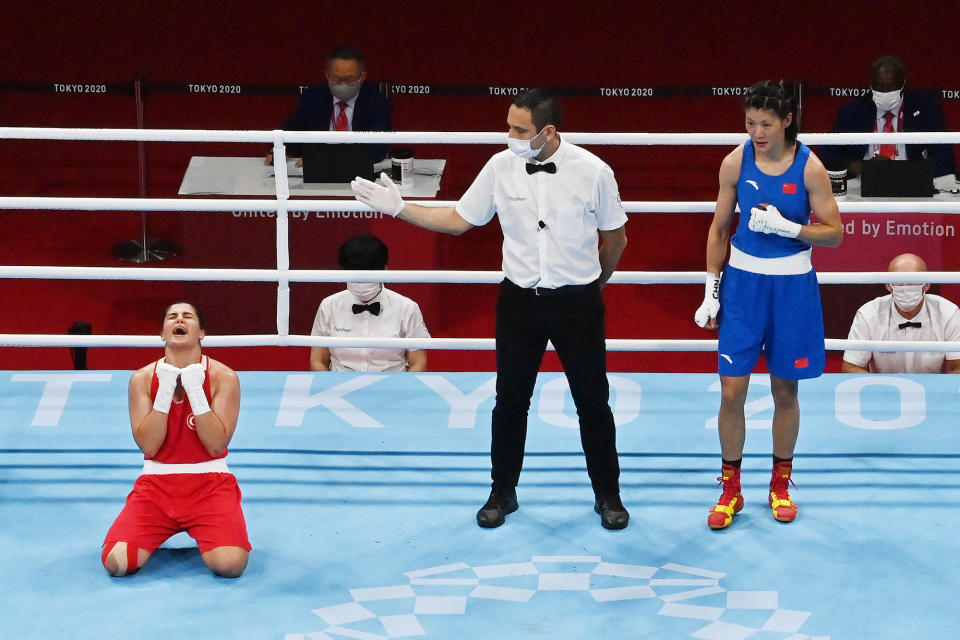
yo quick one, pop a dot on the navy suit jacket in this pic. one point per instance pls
(921, 112)
(371, 112)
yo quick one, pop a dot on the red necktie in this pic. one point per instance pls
(888, 150)
(341, 124)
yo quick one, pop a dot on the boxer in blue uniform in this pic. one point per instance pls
(768, 299)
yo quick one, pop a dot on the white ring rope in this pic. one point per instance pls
(467, 344)
(233, 205)
(449, 137)
(421, 277)
(282, 205)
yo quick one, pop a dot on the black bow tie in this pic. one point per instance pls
(532, 168)
(904, 325)
(373, 307)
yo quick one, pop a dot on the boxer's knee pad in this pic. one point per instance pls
(119, 561)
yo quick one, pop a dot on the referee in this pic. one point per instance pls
(563, 234)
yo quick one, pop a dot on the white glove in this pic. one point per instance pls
(382, 197)
(167, 384)
(711, 301)
(770, 220)
(191, 377)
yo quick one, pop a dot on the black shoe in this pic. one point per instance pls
(613, 515)
(499, 504)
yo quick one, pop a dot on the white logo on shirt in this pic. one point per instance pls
(753, 183)
(728, 358)
(516, 198)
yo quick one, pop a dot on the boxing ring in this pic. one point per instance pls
(360, 490)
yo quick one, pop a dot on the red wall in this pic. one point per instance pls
(571, 44)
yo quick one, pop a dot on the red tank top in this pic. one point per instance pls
(182, 444)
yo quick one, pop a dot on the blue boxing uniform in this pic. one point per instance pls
(769, 295)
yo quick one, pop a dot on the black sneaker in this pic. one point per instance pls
(613, 515)
(499, 504)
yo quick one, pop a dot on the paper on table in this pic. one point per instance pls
(293, 170)
(251, 177)
(203, 177)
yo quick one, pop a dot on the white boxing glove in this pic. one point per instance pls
(770, 220)
(382, 197)
(756, 223)
(191, 377)
(711, 301)
(166, 385)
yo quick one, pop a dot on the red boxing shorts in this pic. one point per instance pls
(205, 505)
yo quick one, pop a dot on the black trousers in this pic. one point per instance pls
(574, 321)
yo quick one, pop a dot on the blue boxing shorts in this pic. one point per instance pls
(780, 315)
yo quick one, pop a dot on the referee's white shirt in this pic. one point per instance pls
(399, 317)
(576, 201)
(878, 319)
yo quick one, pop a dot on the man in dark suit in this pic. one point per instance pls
(345, 103)
(890, 106)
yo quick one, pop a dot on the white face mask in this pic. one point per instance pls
(888, 100)
(345, 92)
(364, 291)
(522, 147)
(907, 296)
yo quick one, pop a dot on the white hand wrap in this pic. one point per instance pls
(711, 301)
(770, 220)
(167, 384)
(191, 377)
(382, 197)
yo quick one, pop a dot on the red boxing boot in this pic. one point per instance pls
(731, 501)
(783, 507)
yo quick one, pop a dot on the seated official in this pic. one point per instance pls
(908, 313)
(345, 103)
(367, 309)
(890, 107)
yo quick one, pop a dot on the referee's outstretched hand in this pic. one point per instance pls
(383, 197)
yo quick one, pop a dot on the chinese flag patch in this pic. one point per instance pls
(789, 187)
(800, 363)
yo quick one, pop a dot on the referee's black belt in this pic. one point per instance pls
(566, 289)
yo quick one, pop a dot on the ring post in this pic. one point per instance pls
(145, 249)
(283, 237)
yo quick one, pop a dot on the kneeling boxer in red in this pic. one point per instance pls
(183, 411)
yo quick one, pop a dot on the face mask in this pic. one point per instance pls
(907, 296)
(364, 291)
(345, 92)
(522, 147)
(888, 100)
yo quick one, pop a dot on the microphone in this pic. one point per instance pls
(541, 224)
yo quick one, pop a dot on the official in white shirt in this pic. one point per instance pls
(367, 309)
(556, 203)
(908, 313)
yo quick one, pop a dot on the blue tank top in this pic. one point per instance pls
(786, 192)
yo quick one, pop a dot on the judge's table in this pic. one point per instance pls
(233, 176)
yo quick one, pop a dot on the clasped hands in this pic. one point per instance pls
(191, 378)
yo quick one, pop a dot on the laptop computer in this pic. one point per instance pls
(336, 163)
(896, 179)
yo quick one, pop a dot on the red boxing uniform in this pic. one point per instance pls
(199, 495)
